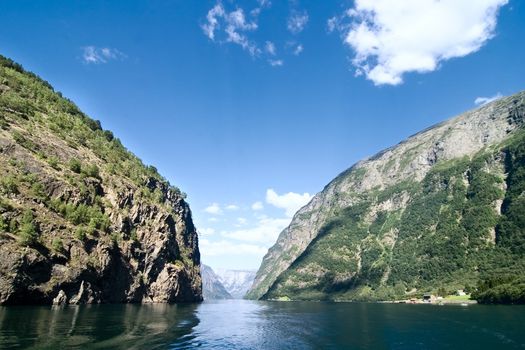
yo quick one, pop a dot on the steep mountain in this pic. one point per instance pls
(82, 220)
(236, 282)
(444, 209)
(212, 288)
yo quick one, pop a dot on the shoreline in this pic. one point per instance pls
(412, 301)
(434, 302)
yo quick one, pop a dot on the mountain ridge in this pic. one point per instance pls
(212, 288)
(236, 281)
(411, 159)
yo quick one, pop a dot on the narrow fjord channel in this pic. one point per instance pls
(238, 324)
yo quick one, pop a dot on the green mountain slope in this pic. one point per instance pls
(82, 220)
(441, 211)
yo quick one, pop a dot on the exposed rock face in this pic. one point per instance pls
(377, 183)
(236, 282)
(82, 220)
(212, 288)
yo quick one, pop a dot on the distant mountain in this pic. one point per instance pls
(440, 211)
(212, 287)
(82, 219)
(236, 282)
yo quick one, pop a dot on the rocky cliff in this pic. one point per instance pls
(82, 220)
(441, 209)
(212, 288)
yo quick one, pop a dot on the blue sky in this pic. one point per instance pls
(253, 106)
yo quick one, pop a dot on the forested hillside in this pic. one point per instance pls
(83, 220)
(442, 211)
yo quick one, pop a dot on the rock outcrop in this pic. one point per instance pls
(82, 220)
(381, 190)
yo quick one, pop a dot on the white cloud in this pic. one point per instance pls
(96, 55)
(391, 38)
(233, 26)
(485, 100)
(290, 202)
(223, 247)
(249, 239)
(234, 23)
(270, 48)
(206, 231)
(242, 221)
(265, 232)
(297, 21)
(276, 63)
(264, 3)
(213, 209)
(257, 206)
(298, 50)
(332, 24)
(232, 207)
(213, 21)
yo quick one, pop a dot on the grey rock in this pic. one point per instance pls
(212, 288)
(149, 253)
(236, 282)
(60, 299)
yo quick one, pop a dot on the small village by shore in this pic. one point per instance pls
(459, 298)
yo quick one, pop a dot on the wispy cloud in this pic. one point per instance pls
(214, 209)
(485, 100)
(297, 21)
(294, 47)
(257, 206)
(206, 231)
(264, 232)
(236, 235)
(333, 24)
(270, 48)
(226, 248)
(271, 51)
(391, 38)
(263, 4)
(232, 207)
(242, 221)
(97, 55)
(290, 202)
(213, 16)
(298, 50)
(233, 26)
(234, 23)
(275, 63)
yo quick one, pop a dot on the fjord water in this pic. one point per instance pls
(263, 325)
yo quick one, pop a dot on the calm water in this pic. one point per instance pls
(263, 325)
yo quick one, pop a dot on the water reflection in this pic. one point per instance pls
(237, 324)
(310, 325)
(95, 326)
